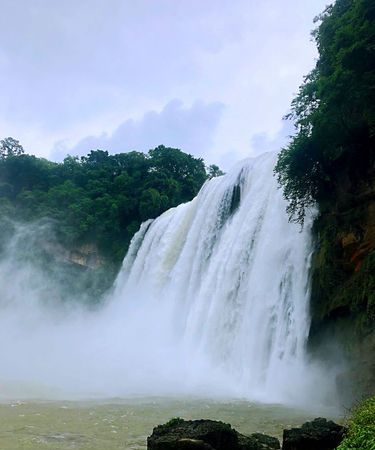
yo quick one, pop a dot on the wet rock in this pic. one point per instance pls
(320, 434)
(179, 434)
(193, 434)
(265, 442)
(258, 441)
(192, 444)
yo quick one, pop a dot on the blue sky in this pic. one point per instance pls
(212, 77)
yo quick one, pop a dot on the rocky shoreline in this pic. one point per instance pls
(180, 434)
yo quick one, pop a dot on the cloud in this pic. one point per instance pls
(265, 142)
(68, 61)
(190, 129)
(72, 69)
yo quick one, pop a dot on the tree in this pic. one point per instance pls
(10, 147)
(214, 171)
(187, 171)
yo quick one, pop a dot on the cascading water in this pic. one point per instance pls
(212, 299)
(226, 279)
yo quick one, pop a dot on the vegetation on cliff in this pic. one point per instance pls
(334, 112)
(98, 199)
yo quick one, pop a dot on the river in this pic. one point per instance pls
(125, 424)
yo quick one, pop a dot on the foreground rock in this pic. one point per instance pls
(179, 434)
(320, 434)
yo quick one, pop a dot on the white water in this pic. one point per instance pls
(211, 300)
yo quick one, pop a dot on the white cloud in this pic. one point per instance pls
(264, 142)
(74, 69)
(175, 126)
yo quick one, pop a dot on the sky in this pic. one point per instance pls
(211, 77)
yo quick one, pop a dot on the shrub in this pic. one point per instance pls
(361, 431)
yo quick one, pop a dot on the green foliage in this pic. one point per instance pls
(214, 171)
(174, 422)
(10, 147)
(361, 432)
(334, 111)
(98, 198)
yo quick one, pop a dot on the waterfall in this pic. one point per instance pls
(212, 300)
(223, 285)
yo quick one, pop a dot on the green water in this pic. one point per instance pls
(125, 424)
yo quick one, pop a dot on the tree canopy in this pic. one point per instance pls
(334, 111)
(99, 197)
(10, 147)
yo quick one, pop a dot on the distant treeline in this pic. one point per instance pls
(99, 198)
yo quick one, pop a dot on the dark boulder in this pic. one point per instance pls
(265, 442)
(258, 441)
(320, 434)
(193, 434)
(179, 434)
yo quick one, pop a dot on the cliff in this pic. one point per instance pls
(343, 285)
(330, 162)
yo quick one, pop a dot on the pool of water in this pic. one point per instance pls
(125, 424)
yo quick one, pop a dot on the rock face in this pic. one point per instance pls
(179, 434)
(343, 287)
(86, 255)
(319, 434)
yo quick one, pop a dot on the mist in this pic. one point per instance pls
(54, 343)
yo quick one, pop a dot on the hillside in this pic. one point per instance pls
(90, 207)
